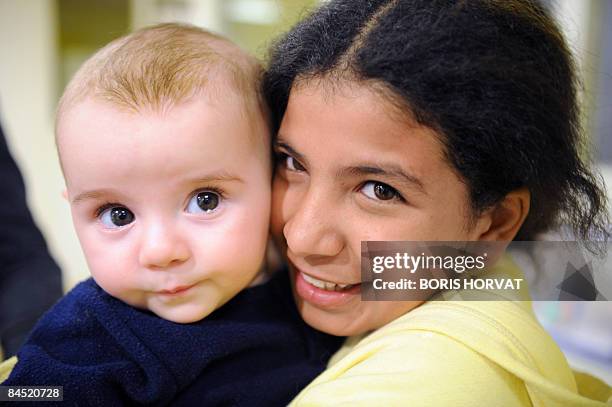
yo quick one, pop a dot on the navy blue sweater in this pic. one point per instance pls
(255, 350)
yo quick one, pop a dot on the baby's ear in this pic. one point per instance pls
(65, 194)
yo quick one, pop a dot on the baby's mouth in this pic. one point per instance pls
(327, 285)
(176, 290)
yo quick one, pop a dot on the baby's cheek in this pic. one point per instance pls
(253, 237)
(238, 244)
(109, 282)
(244, 250)
(113, 276)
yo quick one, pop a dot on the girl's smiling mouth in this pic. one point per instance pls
(322, 293)
(327, 285)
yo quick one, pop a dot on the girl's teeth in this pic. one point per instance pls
(317, 283)
(325, 285)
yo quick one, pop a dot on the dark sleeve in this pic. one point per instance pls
(97, 364)
(253, 351)
(264, 353)
(30, 281)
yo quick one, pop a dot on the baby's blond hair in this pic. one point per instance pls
(161, 66)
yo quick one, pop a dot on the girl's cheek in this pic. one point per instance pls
(280, 208)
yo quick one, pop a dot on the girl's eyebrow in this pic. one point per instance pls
(279, 143)
(386, 170)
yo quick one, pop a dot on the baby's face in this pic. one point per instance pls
(172, 208)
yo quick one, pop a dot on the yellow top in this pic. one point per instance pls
(6, 367)
(456, 353)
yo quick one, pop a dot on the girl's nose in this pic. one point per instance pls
(312, 229)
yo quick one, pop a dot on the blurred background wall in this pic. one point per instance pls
(43, 42)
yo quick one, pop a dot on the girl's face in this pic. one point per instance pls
(351, 170)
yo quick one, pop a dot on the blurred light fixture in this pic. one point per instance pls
(259, 12)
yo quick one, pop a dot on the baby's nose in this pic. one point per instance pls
(162, 247)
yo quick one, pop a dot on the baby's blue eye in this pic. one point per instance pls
(205, 201)
(116, 216)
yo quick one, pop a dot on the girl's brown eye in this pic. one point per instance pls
(380, 191)
(384, 192)
(292, 164)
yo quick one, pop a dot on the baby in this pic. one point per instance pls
(165, 148)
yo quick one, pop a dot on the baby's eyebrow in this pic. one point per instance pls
(97, 194)
(221, 176)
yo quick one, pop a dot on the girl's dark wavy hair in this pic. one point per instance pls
(494, 78)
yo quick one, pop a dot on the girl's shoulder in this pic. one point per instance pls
(453, 352)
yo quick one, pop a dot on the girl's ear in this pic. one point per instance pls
(505, 219)
(65, 194)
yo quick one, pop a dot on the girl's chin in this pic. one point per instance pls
(334, 313)
(333, 323)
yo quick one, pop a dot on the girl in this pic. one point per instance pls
(426, 120)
